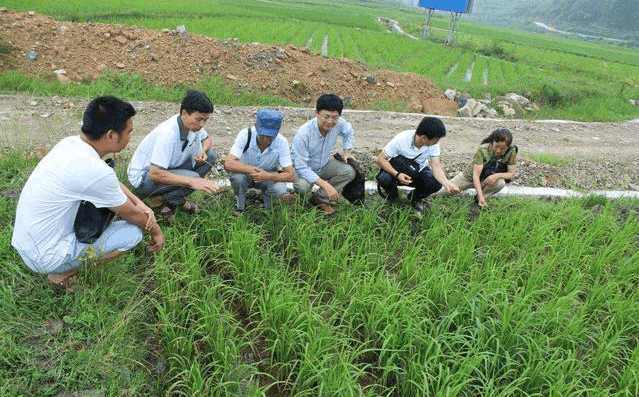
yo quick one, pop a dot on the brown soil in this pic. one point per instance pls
(86, 50)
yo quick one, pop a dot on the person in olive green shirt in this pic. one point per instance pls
(494, 164)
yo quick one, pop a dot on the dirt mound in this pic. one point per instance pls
(39, 45)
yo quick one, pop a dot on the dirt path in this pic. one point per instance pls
(595, 155)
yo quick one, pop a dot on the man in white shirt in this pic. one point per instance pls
(411, 158)
(312, 147)
(173, 160)
(256, 157)
(72, 172)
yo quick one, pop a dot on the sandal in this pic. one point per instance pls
(190, 207)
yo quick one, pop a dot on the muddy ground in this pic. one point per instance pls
(594, 155)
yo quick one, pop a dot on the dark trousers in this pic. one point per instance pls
(425, 185)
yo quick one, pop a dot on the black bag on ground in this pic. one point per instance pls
(90, 222)
(496, 166)
(355, 190)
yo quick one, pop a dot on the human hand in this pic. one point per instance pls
(451, 188)
(204, 185)
(157, 239)
(200, 158)
(404, 179)
(259, 175)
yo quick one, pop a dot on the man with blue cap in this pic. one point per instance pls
(260, 158)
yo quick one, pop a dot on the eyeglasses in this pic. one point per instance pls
(329, 117)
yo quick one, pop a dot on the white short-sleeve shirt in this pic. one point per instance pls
(165, 147)
(277, 154)
(404, 144)
(70, 173)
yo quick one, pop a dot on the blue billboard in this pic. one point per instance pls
(462, 6)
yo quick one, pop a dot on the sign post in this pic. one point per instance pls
(456, 9)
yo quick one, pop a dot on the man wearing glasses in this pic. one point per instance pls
(173, 159)
(312, 147)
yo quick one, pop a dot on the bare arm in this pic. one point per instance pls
(233, 164)
(207, 144)
(164, 177)
(477, 169)
(439, 174)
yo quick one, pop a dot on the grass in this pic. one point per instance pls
(134, 87)
(531, 298)
(551, 159)
(570, 79)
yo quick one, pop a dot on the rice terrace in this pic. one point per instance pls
(317, 276)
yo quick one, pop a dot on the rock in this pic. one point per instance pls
(450, 94)
(33, 103)
(471, 109)
(388, 83)
(32, 55)
(45, 115)
(634, 102)
(491, 113)
(61, 75)
(166, 30)
(120, 65)
(634, 187)
(518, 99)
(31, 13)
(62, 78)
(121, 39)
(348, 101)
(181, 30)
(370, 79)
(295, 83)
(231, 77)
(280, 53)
(461, 100)
(3, 9)
(415, 105)
(506, 109)
(153, 57)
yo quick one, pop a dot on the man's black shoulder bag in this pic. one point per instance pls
(90, 222)
(496, 166)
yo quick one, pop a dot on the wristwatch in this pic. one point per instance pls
(397, 175)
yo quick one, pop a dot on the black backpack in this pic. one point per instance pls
(496, 166)
(355, 190)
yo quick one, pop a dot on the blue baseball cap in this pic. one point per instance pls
(268, 122)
